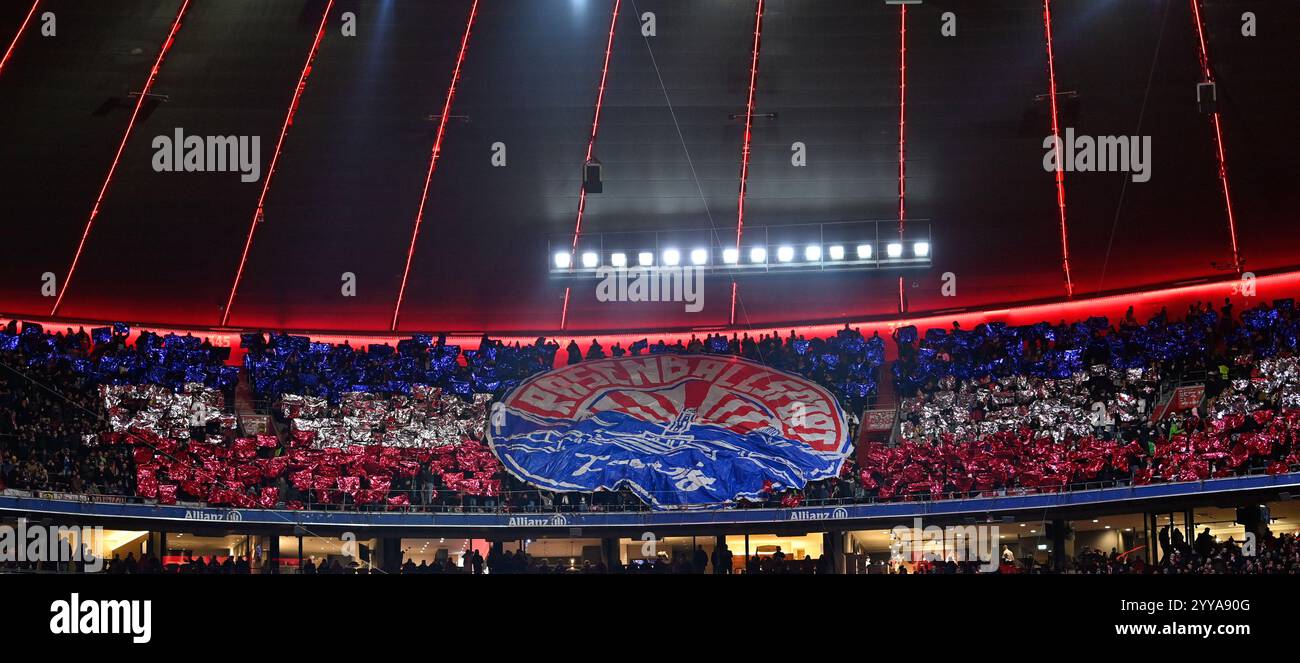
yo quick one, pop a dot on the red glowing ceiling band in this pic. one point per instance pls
(902, 137)
(1200, 36)
(591, 148)
(275, 158)
(117, 158)
(564, 312)
(1056, 131)
(744, 150)
(595, 122)
(433, 158)
(1208, 76)
(1147, 301)
(14, 44)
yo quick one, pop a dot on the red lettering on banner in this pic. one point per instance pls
(805, 411)
(543, 403)
(642, 372)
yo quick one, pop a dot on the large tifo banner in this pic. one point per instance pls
(678, 430)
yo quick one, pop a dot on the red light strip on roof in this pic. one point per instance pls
(1218, 136)
(14, 44)
(902, 137)
(902, 118)
(1056, 131)
(744, 150)
(1146, 303)
(591, 146)
(117, 158)
(275, 158)
(433, 158)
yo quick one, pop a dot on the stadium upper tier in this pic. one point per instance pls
(990, 409)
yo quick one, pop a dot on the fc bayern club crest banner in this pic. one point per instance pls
(678, 430)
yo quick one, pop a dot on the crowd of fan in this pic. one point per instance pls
(1206, 555)
(1063, 350)
(281, 364)
(845, 363)
(1273, 555)
(681, 562)
(47, 401)
(45, 407)
(1040, 407)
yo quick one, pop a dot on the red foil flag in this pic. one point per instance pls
(268, 498)
(166, 493)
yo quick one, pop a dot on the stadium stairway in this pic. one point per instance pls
(245, 405)
(885, 394)
(886, 399)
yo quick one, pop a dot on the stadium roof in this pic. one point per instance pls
(165, 247)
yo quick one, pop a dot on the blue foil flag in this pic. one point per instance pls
(718, 344)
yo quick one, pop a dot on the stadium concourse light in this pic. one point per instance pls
(590, 259)
(562, 259)
(618, 260)
(836, 252)
(730, 256)
(699, 256)
(758, 254)
(645, 258)
(894, 249)
(672, 257)
(785, 254)
(864, 252)
(921, 249)
(813, 253)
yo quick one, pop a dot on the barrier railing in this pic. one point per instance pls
(516, 502)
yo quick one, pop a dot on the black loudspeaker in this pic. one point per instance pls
(1250, 516)
(1067, 532)
(1207, 97)
(591, 177)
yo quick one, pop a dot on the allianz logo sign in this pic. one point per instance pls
(547, 521)
(229, 516)
(838, 513)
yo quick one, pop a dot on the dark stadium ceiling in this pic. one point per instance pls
(165, 246)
